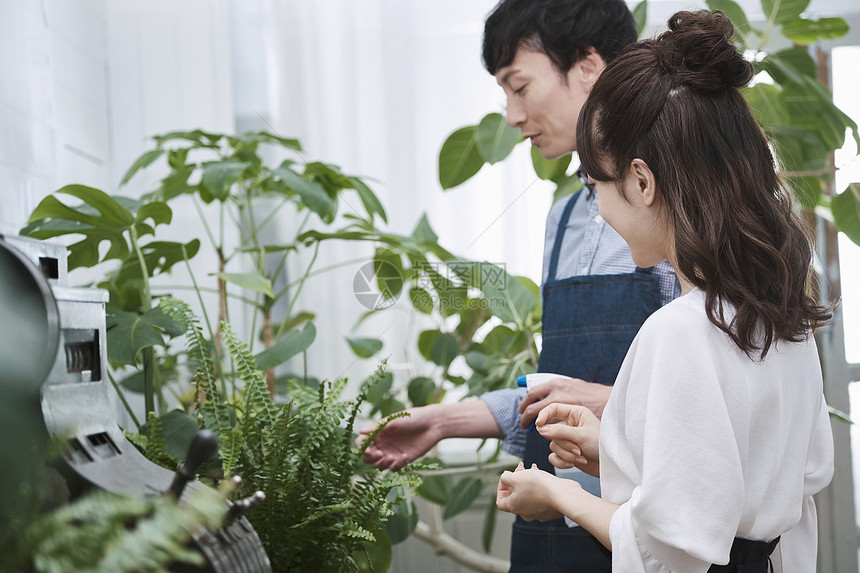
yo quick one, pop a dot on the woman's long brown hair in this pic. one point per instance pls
(674, 102)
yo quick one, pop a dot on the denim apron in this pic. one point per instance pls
(588, 325)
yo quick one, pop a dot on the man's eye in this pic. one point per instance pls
(519, 91)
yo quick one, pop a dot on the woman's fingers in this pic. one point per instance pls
(561, 432)
(553, 413)
(566, 450)
(560, 463)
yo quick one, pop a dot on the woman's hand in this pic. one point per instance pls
(574, 432)
(530, 493)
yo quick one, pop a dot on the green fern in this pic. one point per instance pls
(153, 444)
(213, 411)
(322, 503)
(106, 533)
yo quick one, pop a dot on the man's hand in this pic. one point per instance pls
(574, 432)
(402, 441)
(565, 391)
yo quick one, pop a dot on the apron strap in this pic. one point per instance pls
(559, 234)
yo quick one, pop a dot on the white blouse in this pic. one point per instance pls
(701, 444)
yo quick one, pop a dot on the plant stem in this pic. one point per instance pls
(274, 212)
(198, 290)
(167, 288)
(322, 270)
(149, 366)
(125, 403)
(205, 222)
(298, 291)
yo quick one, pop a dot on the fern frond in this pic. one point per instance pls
(155, 448)
(258, 406)
(216, 414)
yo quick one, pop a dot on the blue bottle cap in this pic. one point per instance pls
(521, 381)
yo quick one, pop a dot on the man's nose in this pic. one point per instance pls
(515, 114)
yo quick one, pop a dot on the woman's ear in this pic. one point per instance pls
(645, 184)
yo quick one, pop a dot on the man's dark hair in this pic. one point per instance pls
(561, 29)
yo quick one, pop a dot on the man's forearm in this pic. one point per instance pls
(469, 419)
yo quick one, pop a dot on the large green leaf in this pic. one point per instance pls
(156, 211)
(364, 347)
(401, 525)
(377, 387)
(141, 162)
(640, 17)
(100, 218)
(462, 496)
(328, 175)
(426, 340)
(375, 556)
(288, 346)
(136, 382)
(460, 158)
(566, 186)
(252, 281)
(550, 169)
(423, 233)
(798, 149)
(388, 406)
(481, 362)
(789, 65)
(450, 296)
(129, 333)
(808, 191)
(436, 488)
(766, 105)
(219, 176)
(501, 340)
(368, 198)
(421, 390)
(811, 107)
(271, 138)
(444, 349)
(198, 137)
(846, 212)
(738, 17)
(177, 431)
(421, 299)
(388, 268)
(312, 193)
(160, 257)
(506, 296)
(783, 11)
(496, 139)
(805, 32)
(176, 183)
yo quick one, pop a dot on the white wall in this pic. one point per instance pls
(53, 102)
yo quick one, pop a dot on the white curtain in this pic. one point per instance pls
(376, 87)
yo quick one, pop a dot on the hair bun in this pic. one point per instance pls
(698, 51)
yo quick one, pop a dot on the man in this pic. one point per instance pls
(546, 55)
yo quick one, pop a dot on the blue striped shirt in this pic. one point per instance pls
(589, 247)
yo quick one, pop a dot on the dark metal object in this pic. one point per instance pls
(204, 444)
(29, 318)
(53, 340)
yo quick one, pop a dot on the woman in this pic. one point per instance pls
(716, 435)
